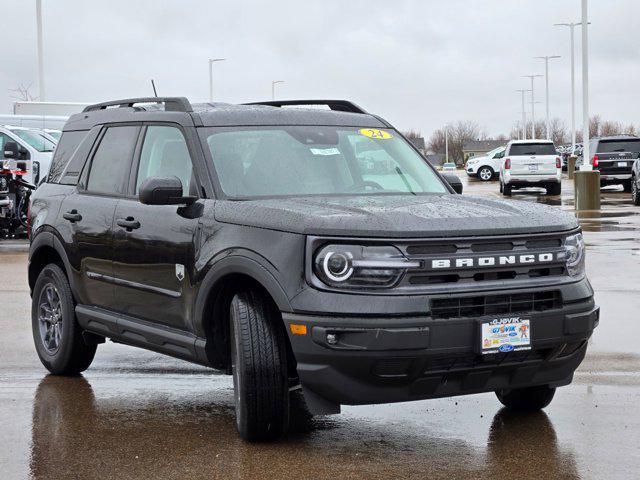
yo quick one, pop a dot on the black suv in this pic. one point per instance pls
(614, 157)
(298, 249)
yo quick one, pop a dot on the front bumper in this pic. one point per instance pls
(387, 359)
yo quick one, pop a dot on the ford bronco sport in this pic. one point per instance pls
(301, 249)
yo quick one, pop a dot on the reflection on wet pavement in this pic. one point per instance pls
(193, 436)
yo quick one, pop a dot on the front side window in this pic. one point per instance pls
(165, 153)
(313, 160)
(35, 140)
(532, 149)
(111, 162)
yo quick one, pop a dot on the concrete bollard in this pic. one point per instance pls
(571, 165)
(587, 189)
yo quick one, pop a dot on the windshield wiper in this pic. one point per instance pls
(404, 179)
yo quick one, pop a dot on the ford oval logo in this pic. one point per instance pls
(505, 348)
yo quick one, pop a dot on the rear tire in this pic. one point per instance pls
(259, 367)
(554, 189)
(506, 190)
(627, 186)
(526, 399)
(56, 333)
(635, 192)
(485, 174)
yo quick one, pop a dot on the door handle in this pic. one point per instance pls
(128, 223)
(73, 216)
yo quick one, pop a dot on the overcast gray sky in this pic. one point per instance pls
(417, 63)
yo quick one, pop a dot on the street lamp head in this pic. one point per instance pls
(211, 60)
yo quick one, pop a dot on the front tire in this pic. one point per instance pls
(526, 399)
(635, 192)
(259, 367)
(485, 174)
(56, 333)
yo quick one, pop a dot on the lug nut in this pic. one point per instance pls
(332, 338)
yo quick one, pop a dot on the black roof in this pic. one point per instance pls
(180, 110)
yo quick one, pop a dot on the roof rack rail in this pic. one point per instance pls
(337, 105)
(171, 104)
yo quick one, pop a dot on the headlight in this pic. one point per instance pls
(574, 251)
(358, 266)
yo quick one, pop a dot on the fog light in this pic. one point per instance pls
(332, 338)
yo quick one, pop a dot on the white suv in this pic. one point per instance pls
(531, 163)
(485, 167)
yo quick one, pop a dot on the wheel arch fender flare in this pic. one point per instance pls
(236, 264)
(48, 239)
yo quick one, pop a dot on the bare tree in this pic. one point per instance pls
(559, 133)
(23, 93)
(459, 133)
(595, 123)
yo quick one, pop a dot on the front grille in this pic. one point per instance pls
(500, 248)
(462, 307)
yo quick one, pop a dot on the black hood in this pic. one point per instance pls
(396, 216)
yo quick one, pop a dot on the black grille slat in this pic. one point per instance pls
(519, 303)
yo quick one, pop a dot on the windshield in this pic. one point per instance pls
(631, 145)
(494, 151)
(35, 139)
(54, 133)
(532, 149)
(305, 160)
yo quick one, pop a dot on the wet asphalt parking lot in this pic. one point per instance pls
(136, 414)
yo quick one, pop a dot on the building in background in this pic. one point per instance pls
(480, 147)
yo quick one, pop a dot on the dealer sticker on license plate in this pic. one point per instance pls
(502, 335)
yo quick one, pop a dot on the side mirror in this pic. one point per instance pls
(454, 181)
(163, 191)
(11, 150)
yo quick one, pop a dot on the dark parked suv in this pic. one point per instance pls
(614, 157)
(264, 241)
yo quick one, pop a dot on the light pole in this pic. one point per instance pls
(533, 113)
(446, 144)
(273, 88)
(546, 77)
(211, 61)
(586, 163)
(572, 26)
(41, 95)
(524, 114)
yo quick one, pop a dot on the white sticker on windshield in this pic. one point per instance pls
(325, 151)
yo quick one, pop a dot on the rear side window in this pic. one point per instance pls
(111, 162)
(613, 146)
(65, 149)
(532, 149)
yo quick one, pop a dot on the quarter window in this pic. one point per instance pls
(164, 154)
(111, 163)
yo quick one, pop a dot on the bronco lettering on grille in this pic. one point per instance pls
(498, 260)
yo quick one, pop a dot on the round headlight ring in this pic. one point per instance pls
(340, 269)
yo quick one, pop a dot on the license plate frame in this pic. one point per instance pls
(622, 164)
(533, 167)
(504, 334)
